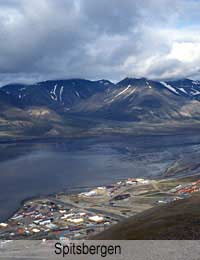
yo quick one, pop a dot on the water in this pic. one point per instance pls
(34, 169)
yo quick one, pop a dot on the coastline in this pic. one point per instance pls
(73, 215)
(139, 130)
(47, 196)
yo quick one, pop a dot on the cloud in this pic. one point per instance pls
(98, 39)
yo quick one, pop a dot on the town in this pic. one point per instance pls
(82, 215)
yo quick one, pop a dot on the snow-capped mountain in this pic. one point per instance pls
(185, 87)
(139, 100)
(190, 88)
(55, 93)
(130, 99)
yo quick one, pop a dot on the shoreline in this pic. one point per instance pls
(81, 189)
(73, 214)
(101, 136)
(53, 195)
(85, 189)
(47, 196)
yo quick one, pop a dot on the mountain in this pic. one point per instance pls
(182, 87)
(187, 87)
(39, 110)
(69, 93)
(6, 100)
(141, 100)
(55, 93)
(84, 107)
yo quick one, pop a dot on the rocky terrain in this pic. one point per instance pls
(82, 107)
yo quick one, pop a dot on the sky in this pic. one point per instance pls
(99, 39)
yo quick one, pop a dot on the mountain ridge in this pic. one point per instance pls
(55, 107)
(67, 93)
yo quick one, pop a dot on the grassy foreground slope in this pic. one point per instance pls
(177, 220)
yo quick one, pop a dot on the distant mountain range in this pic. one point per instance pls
(130, 100)
(56, 93)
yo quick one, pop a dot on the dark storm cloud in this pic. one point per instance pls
(98, 39)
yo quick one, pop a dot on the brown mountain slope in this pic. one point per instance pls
(178, 220)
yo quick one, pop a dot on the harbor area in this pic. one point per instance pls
(81, 216)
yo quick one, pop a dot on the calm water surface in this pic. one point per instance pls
(34, 169)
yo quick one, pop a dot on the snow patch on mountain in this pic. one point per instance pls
(195, 92)
(124, 93)
(169, 87)
(53, 93)
(77, 94)
(183, 90)
(61, 92)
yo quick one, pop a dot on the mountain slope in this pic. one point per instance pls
(56, 93)
(6, 100)
(187, 87)
(81, 106)
(177, 220)
(140, 100)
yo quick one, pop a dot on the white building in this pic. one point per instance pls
(35, 230)
(45, 222)
(96, 219)
(3, 225)
(76, 220)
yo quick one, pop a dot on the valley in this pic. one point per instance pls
(99, 128)
(130, 143)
